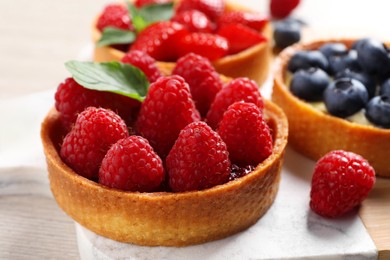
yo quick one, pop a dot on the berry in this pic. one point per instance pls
(239, 89)
(194, 21)
(307, 59)
(341, 181)
(378, 111)
(144, 62)
(141, 3)
(208, 45)
(198, 160)
(238, 172)
(240, 37)
(114, 15)
(132, 165)
(344, 97)
(246, 134)
(252, 20)
(342, 62)
(282, 8)
(167, 108)
(373, 57)
(286, 33)
(385, 88)
(309, 84)
(212, 8)
(204, 81)
(365, 78)
(160, 40)
(71, 99)
(84, 147)
(333, 49)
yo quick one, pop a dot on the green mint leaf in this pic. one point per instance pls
(117, 77)
(137, 19)
(113, 35)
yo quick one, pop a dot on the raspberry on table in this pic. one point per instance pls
(204, 81)
(71, 99)
(194, 21)
(144, 62)
(198, 160)
(239, 89)
(212, 8)
(132, 165)
(115, 15)
(341, 181)
(167, 109)
(84, 147)
(246, 134)
(252, 20)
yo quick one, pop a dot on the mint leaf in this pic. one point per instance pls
(113, 35)
(117, 77)
(137, 19)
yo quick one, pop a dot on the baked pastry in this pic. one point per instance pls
(165, 218)
(253, 62)
(314, 131)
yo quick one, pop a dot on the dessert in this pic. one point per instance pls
(317, 122)
(249, 58)
(201, 194)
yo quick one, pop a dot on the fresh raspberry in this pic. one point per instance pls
(239, 89)
(282, 8)
(208, 45)
(132, 165)
(167, 108)
(144, 62)
(212, 8)
(204, 81)
(198, 160)
(71, 99)
(240, 37)
(114, 15)
(140, 3)
(160, 40)
(252, 20)
(246, 134)
(341, 181)
(194, 21)
(84, 147)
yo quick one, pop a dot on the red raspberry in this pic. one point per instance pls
(160, 40)
(84, 147)
(72, 99)
(115, 15)
(166, 110)
(341, 181)
(194, 21)
(212, 8)
(144, 62)
(252, 20)
(240, 37)
(239, 89)
(204, 81)
(208, 45)
(132, 165)
(198, 160)
(282, 8)
(246, 134)
(140, 3)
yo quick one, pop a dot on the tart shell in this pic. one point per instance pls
(253, 62)
(314, 133)
(165, 218)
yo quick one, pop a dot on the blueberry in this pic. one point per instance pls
(385, 88)
(309, 84)
(344, 97)
(365, 78)
(378, 111)
(307, 59)
(286, 33)
(333, 48)
(341, 62)
(373, 57)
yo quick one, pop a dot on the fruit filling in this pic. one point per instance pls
(351, 83)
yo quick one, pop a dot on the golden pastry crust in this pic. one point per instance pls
(253, 62)
(314, 133)
(164, 218)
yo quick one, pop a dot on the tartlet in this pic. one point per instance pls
(165, 218)
(314, 133)
(253, 62)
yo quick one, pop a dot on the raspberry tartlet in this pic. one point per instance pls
(317, 124)
(253, 62)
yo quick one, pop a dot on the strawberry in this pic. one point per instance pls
(252, 20)
(240, 37)
(144, 62)
(212, 8)
(114, 15)
(194, 21)
(282, 8)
